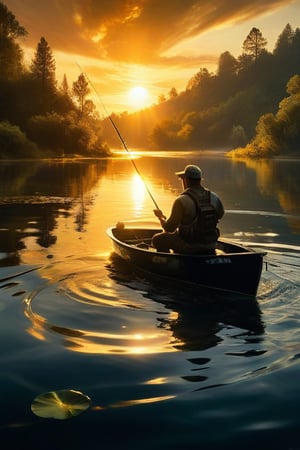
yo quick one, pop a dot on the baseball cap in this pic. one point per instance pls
(191, 171)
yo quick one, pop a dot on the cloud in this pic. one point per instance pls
(140, 31)
(136, 31)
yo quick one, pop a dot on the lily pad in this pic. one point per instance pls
(62, 404)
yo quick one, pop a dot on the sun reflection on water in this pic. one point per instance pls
(91, 314)
(138, 193)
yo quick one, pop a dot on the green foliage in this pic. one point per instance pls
(80, 91)
(14, 143)
(236, 105)
(11, 55)
(219, 110)
(284, 41)
(43, 64)
(166, 134)
(59, 135)
(227, 65)
(10, 27)
(11, 60)
(36, 109)
(202, 79)
(293, 85)
(280, 133)
(47, 131)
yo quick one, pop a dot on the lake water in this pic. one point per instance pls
(164, 368)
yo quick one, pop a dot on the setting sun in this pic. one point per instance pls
(138, 96)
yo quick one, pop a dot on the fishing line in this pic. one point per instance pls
(120, 137)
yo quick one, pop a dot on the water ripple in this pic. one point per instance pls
(96, 315)
(98, 306)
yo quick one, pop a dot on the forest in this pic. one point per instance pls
(250, 107)
(38, 118)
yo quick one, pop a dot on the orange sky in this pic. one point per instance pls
(157, 44)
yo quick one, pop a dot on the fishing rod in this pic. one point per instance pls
(121, 139)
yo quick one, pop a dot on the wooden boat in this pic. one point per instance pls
(232, 267)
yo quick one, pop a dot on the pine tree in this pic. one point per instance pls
(227, 65)
(11, 55)
(80, 91)
(9, 26)
(254, 43)
(43, 65)
(65, 86)
(284, 41)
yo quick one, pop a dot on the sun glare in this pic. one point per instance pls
(138, 192)
(138, 96)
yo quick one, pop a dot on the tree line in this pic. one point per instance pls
(251, 104)
(38, 118)
(232, 108)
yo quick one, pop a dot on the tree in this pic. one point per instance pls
(227, 65)
(9, 26)
(11, 55)
(90, 111)
(64, 88)
(244, 64)
(14, 143)
(284, 41)
(203, 77)
(279, 133)
(80, 91)
(226, 75)
(43, 65)
(293, 85)
(289, 114)
(295, 53)
(254, 43)
(173, 93)
(162, 98)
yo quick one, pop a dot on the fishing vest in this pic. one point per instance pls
(203, 228)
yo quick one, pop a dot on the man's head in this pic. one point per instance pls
(190, 175)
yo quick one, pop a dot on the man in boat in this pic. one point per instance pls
(192, 225)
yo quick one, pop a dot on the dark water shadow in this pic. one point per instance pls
(201, 313)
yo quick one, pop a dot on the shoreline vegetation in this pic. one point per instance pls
(250, 107)
(276, 133)
(236, 154)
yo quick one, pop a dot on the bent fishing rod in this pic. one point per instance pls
(121, 139)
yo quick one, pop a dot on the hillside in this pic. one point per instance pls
(217, 110)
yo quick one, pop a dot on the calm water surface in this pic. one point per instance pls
(164, 367)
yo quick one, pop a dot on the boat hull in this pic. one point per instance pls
(233, 268)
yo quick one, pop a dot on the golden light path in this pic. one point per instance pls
(138, 192)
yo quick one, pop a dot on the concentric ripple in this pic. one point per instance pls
(92, 313)
(94, 306)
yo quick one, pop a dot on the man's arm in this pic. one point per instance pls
(217, 204)
(175, 218)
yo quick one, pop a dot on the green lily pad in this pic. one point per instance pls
(62, 404)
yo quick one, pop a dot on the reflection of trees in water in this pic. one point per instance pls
(280, 179)
(34, 195)
(18, 221)
(47, 223)
(14, 177)
(61, 179)
(69, 179)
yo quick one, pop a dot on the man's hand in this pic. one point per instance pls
(159, 214)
